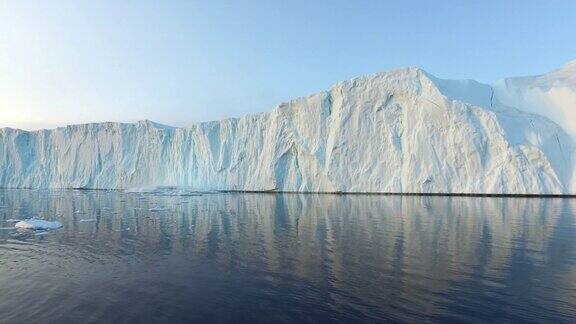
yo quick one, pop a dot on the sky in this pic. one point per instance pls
(181, 62)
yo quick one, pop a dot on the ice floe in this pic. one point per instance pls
(38, 224)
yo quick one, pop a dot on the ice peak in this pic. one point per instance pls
(411, 72)
(152, 124)
(418, 81)
(571, 66)
(408, 80)
(551, 94)
(564, 76)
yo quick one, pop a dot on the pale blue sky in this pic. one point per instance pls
(179, 62)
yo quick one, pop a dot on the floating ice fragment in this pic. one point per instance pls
(88, 220)
(38, 224)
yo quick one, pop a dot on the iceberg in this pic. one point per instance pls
(403, 131)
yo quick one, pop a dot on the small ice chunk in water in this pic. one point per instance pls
(38, 224)
(88, 220)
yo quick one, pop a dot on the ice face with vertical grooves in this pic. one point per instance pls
(403, 131)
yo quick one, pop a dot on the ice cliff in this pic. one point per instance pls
(403, 131)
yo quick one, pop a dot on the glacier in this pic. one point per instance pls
(403, 131)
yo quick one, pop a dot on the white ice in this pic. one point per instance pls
(403, 131)
(38, 224)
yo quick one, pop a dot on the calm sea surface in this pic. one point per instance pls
(143, 258)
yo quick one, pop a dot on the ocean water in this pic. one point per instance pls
(271, 258)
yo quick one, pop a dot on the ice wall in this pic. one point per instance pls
(401, 131)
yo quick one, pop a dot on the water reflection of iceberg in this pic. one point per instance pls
(417, 254)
